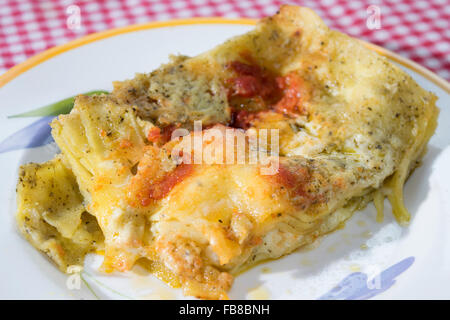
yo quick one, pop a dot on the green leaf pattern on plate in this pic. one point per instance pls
(55, 109)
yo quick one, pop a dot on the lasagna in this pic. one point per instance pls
(343, 127)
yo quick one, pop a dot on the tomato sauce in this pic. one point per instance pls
(298, 182)
(267, 91)
(242, 119)
(163, 135)
(294, 181)
(162, 188)
(154, 134)
(252, 81)
(291, 98)
(157, 190)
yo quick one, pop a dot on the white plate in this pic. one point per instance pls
(414, 262)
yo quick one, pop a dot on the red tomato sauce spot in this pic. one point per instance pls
(162, 188)
(264, 90)
(154, 134)
(291, 97)
(251, 81)
(242, 119)
(163, 135)
(293, 180)
(166, 134)
(152, 190)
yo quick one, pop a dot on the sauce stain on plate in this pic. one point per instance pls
(258, 293)
(266, 270)
(306, 262)
(159, 294)
(361, 223)
(355, 267)
(147, 287)
(331, 249)
(367, 234)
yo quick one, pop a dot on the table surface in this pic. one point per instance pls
(418, 30)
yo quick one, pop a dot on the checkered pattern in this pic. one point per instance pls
(416, 29)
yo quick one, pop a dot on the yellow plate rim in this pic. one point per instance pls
(39, 58)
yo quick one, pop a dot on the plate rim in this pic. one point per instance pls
(41, 57)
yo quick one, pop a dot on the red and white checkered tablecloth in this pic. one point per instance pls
(416, 29)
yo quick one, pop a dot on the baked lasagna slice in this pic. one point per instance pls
(341, 126)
